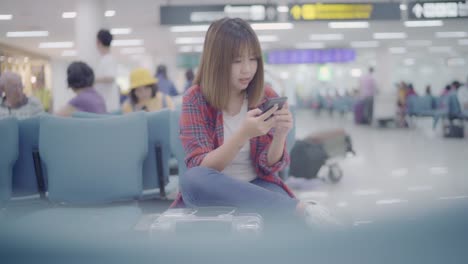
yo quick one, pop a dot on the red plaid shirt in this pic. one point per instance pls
(201, 131)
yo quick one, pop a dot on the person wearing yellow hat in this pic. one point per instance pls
(144, 94)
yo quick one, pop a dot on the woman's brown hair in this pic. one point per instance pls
(225, 40)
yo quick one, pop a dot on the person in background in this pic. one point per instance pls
(144, 93)
(189, 76)
(428, 90)
(80, 78)
(165, 85)
(14, 102)
(447, 89)
(106, 72)
(234, 149)
(429, 93)
(368, 89)
(410, 91)
(462, 96)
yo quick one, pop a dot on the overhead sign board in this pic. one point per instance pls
(205, 14)
(310, 56)
(438, 10)
(344, 11)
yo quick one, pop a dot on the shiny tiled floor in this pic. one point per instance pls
(397, 173)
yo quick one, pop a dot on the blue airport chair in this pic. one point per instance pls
(176, 144)
(159, 151)
(94, 166)
(93, 161)
(29, 176)
(156, 165)
(8, 156)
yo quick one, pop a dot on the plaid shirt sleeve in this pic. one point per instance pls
(195, 133)
(263, 145)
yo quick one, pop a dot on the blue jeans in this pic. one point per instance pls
(203, 186)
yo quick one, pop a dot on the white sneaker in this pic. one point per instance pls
(319, 216)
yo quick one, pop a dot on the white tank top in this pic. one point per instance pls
(241, 167)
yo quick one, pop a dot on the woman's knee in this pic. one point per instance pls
(195, 180)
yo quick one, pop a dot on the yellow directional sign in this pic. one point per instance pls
(331, 11)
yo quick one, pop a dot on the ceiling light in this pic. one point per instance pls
(272, 26)
(424, 23)
(127, 42)
(6, 17)
(397, 50)
(185, 49)
(310, 45)
(121, 31)
(26, 34)
(198, 48)
(68, 14)
(268, 38)
(390, 201)
(440, 49)
(390, 35)
(33, 79)
(109, 13)
(190, 40)
(455, 34)
(409, 62)
(403, 7)
(364, 44)
(356, 24)
(356, 72)
(56, 45)
(69, 53)
(197, 28)
(419, 43)
(463, 42)
(282, 9)
(322, 37)
(134, 50)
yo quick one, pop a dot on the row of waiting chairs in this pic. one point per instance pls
(446, 107)
(31, 176)
(95, 168)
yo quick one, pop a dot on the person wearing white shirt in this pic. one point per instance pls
(106, 72)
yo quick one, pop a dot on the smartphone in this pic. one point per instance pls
(272, 101)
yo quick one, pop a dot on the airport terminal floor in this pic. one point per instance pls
(396, 172)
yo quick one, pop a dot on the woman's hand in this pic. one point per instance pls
(283, 121)
(258, 124)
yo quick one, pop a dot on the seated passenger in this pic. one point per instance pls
(234, 150)
(80, 78)
(14, 102)
(145, 94)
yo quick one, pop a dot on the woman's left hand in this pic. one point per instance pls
(283, 121)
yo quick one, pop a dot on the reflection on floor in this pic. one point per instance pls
(397, 173)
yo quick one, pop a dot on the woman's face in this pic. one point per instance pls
(143, 93)
(243, 70)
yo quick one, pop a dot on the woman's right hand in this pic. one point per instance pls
(258, 124)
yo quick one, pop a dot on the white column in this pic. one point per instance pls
(61, 94)
(89, 20)
(384, 70)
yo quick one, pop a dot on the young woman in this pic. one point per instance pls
(80, 78)
(144, 94)
(234, 149)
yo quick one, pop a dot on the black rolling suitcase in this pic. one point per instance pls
(317, 150)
